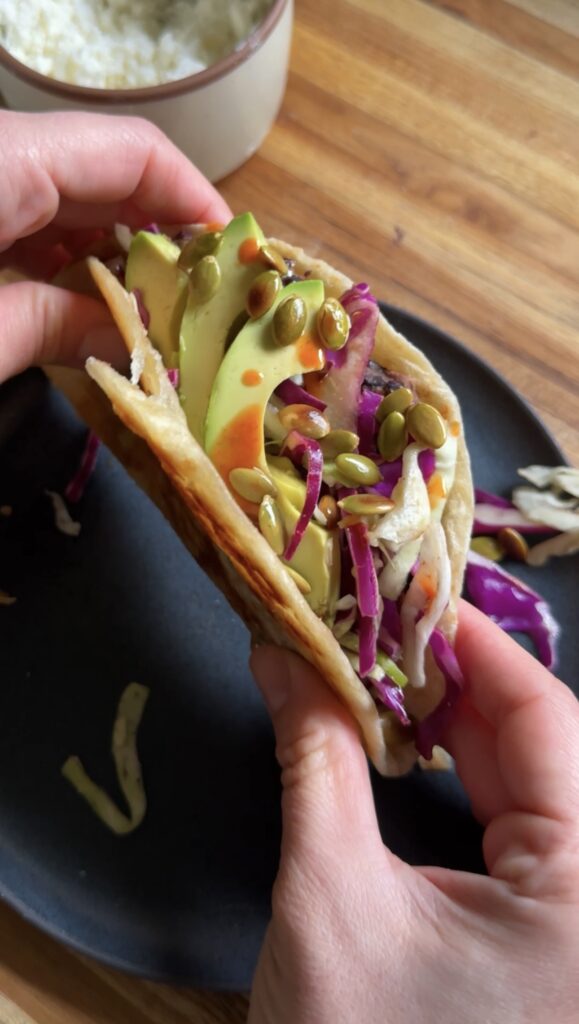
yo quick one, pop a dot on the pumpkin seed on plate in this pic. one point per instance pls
(206, 244)
(270, 524)
(252, 484)
(357, 469)
(392, 436)
(272, 258)
(513, 544)
(488, 547)
(426, 425)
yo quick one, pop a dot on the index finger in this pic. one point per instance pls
(123, 166)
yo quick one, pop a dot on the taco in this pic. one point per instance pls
(309, 456)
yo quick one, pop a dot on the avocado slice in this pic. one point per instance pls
(152, 268)
(205, 328)
(251, 370)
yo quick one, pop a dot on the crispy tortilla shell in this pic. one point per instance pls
(150, 437)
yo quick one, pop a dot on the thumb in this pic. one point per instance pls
(327, 802)
(41, 324)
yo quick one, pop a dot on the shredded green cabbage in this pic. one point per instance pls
(128, 768)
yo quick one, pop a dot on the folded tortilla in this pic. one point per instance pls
(143, 423)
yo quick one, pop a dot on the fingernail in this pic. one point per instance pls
(270, 668)
(104, 343)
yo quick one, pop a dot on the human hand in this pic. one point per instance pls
(357, 935)
(63, 176)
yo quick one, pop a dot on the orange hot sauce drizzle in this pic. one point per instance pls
(251, 378)
(214, 225)
(248, 251)
(436, 489)
(310, 353)
(239, 445)
(455, 428)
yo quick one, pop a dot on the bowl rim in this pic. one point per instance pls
(144, 94)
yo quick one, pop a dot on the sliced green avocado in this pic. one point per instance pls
(152, 268)
(205, 327)
(251, 370)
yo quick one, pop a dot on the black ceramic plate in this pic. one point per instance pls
(186, 897)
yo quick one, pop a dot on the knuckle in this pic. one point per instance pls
(308, 755)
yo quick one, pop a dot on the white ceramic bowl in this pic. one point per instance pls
(218, 117)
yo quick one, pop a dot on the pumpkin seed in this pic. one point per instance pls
(426, 425)
(333, 324)
(513, 543)
(252, 484)
(262, 294)
(272, 258)
(309, 421)
(204, 279)
(339, 441)
(206, 244)
(392, 436)
(488, 547)
(301, 583)
(289, 320)
(357, 469)
(328, 506)
(366, 504)
(271, 525)
(397, 401)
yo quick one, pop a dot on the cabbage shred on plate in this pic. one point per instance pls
(119, 44)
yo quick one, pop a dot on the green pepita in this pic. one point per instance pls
(301, 583)
(206, 244)
(272, 258)
(513, 544)
(357, 469)
(262, 294)
(289, 320)
(252, 484)
(426, 425)
(488, 547)
(271, 525)
(392, 436)
(366, 505)
(397, 401)
(338, 442)
(333, 324)
(205, 279)
(309, 421)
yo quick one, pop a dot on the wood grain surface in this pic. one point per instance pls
(431, 148)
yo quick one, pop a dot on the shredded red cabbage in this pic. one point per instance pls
(429, 732)
(490, 518)
(392, 697)
(143, 311)
(153, 229)
(512, 605)
(364, 570)
(427, 463)
(174, 378)
(367, 423)
(77, 486)
(488, 498)
(296, 446)
(293, 394)
(368, 640)
(390, 632)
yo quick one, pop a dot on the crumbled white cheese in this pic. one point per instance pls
(120, 44)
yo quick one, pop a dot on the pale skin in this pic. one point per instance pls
(356, 934)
